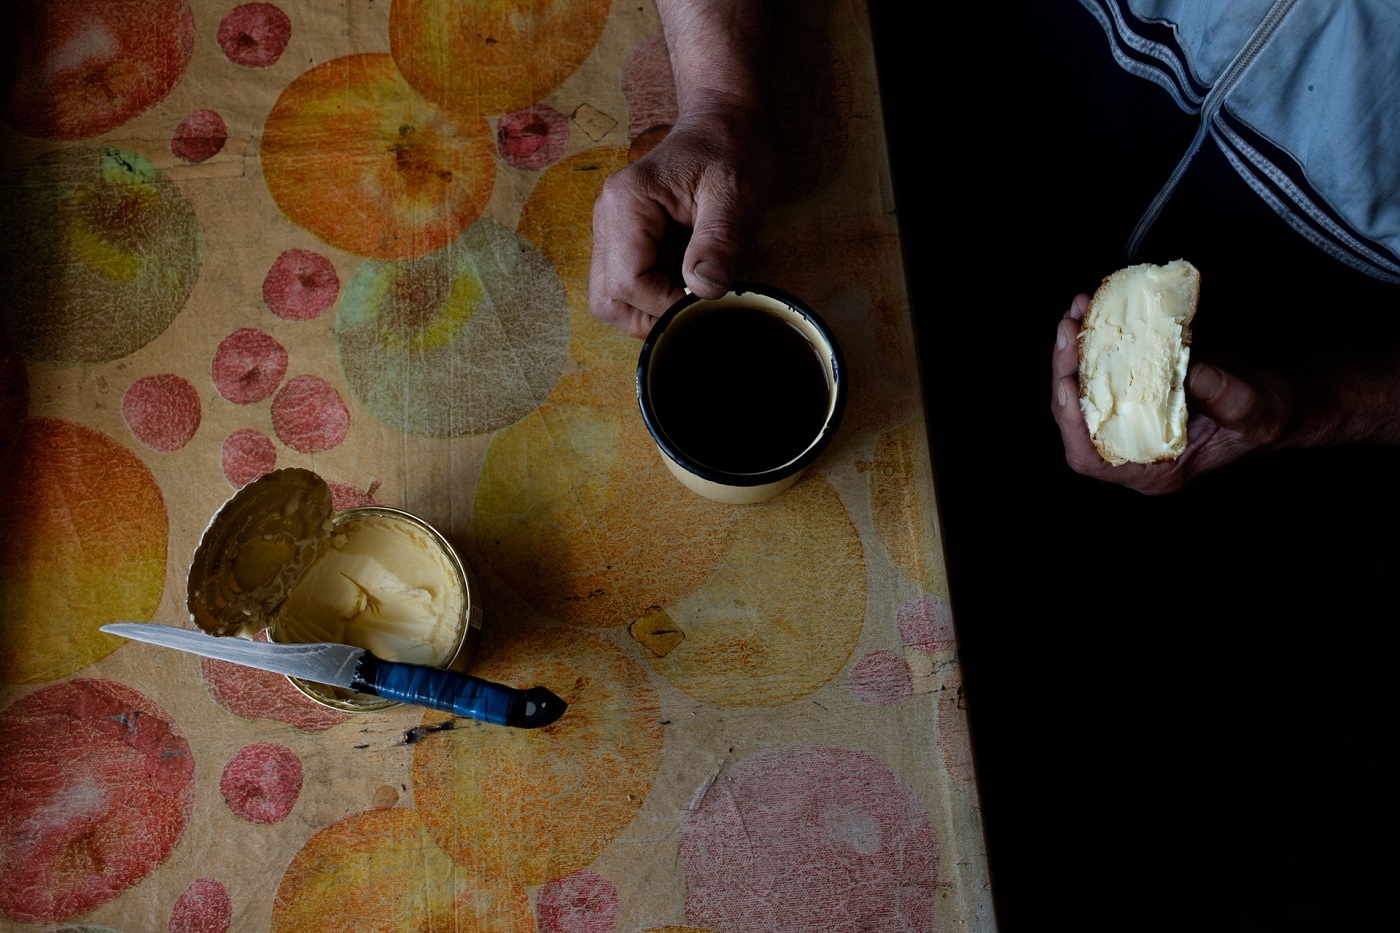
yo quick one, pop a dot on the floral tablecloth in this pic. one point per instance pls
(354, 237)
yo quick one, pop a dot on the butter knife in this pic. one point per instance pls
(358, 670)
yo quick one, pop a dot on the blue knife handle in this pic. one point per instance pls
(457, 693)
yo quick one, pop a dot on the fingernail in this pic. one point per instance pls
(711, 273)
(1062, 395)
(1060, 341)
(1205, 381)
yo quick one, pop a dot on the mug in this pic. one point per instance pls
(741, 393)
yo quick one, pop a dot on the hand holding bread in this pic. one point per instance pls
(1233, 415)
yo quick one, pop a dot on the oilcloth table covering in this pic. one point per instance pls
(354, 237)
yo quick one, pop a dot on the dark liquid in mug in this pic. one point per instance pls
(739, 390)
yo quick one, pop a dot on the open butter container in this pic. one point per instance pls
(276, 557)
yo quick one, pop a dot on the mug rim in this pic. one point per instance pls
(724, 477)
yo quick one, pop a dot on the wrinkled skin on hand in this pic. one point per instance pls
(710, 175)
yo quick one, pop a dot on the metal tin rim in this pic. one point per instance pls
(799, 463)
(366, 703)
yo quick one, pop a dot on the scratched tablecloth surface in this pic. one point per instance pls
(354, 237)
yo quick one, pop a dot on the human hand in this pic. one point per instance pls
(1233, 415)
(710, 174)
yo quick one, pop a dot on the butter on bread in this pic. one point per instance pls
(1134, 346)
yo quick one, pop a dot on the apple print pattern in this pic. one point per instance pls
(247, 454)
(492, 58)
(255, 694)
(203, 907)
(163, 411)
(200, 136)
(261, 783)
(107, 253)
(301, 285)
(462, 341)
(882, 678)
(557, 811)
(532, 139)
(249, 366)
(86, 544)
(584, 902)
(381, 863)
(386, 174)
(309, 416)
(808, 838)
(94, 794)
(926, 623)
(255, 35)
(356, 238)
(80, 68)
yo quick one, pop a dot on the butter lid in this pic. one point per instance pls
(256, 547)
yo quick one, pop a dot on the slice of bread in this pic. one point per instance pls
(1134, 345)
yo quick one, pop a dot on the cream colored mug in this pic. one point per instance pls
(741, 393)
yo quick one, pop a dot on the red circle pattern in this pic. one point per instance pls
(163, 411)
(309, 415)
(249, 366)
(301, 285)
(255, 34)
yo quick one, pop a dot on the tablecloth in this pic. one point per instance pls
(354, 237)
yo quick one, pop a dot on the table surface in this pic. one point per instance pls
(273, 235)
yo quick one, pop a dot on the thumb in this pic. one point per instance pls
(1234, 403)
(1226, 399)
(714, 249)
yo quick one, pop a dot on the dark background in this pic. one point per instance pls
(1182, 708)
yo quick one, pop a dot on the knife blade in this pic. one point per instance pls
(358, 670)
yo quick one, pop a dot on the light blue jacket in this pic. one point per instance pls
(1302, 97)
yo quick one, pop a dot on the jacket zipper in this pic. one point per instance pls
(1214, 100)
